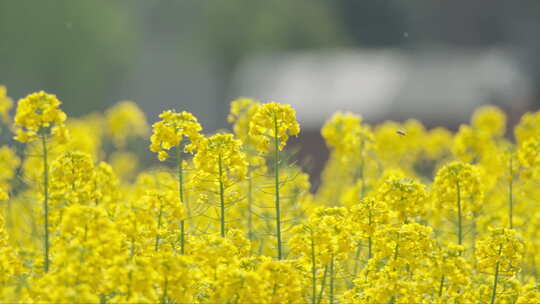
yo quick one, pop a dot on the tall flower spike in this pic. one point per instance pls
(458, 187)
(368, 216)
(324, 240)
(272, 124)
(501, 246)
(219, 159)
(500, 254)
(38, 116)
(172, 131)
(240, 115)
(351, 144)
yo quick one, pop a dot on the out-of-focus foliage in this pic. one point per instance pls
(63, 44)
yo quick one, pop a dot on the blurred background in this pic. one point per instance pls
(384, 59)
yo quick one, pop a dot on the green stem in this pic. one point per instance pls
(323, 284)
(510, 195)
(181, 193)
(221, 196)
(156, 246)
(182, 236)
(355, 269)
(46, 200)
(495, 278)
(130, 279)
(460, 232)
(535, 270)
(370, 245)
(362, 192)
(441, 285)
(165, 289)
(362, 165)
(370, 240)
(313, 271)
(474, 233)
(276, 174)
(331, 294)
(250, 205)
(132, 248)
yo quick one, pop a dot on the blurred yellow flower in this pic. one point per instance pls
(171, 132)
(125, 120)
(6, 104)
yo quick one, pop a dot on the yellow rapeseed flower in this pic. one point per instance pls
(376, 231)
(38, 114)
(528, 156)
(273, 120)
(172, 130)
(345, 134)
(9, 162)
(6, 104)
(404, 196)
(501, 246)
(462, 181)
(125, 120)
(241, 114)
(221, 152)
(489, 120)
(4, 196)
(72, 179)
(528, 127)
(220, 163)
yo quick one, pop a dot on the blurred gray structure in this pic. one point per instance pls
(438, 85)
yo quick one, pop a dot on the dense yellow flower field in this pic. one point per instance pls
(402, 215)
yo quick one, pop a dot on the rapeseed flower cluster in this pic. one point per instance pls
(125, 120)
(39, 114)
(403, 214)
(172, 131)
(6, 104)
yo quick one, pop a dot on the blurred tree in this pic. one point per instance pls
(78, 50)
(237, 28)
